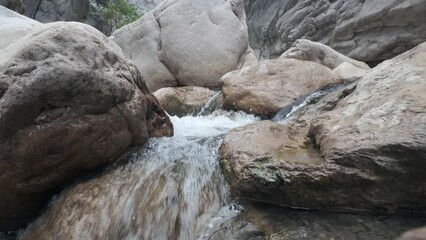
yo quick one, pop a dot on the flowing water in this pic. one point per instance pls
(170, 189)
(173, 188)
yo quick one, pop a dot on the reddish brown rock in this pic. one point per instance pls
(69, 104)
(266, 87)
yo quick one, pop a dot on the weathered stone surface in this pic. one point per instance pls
(182, 101)
(415, 234)
(364, 30)
(371, 146)
(69, 103)
(187, 43)
(15, 5)
(140, 42)
(381, 128)
(14, 26)
(349, 73)
(46, 11)
(266, 87)
(273, 163)
(31, 7)
(57, 10)
(279, 223)
(307, 50)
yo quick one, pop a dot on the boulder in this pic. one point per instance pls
(182, 101)
(364, 30)
(348, 72)
(140, 42)
(356, 149)
(70, 103)
(14, 26)
(268, 86)
(306, 50)
(187, 43)
(381, 129)
(415, 234)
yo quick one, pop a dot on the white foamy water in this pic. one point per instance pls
(169, 189)
(219, 122)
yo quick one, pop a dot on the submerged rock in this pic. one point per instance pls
(371, 30)
(268, 86)
(259, 221)
(187, 43)
(182, 101)
(69, 103)
(371, 145)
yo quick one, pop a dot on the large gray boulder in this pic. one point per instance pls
(14, 26)
(187, 43)
(371, 30)
(70, 103)
(360, 148)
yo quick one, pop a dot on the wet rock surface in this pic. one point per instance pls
(69, 104)
(259, 221)
(363, 30)
(183, 100)
(170, 189)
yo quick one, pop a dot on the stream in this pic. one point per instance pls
(173, 188)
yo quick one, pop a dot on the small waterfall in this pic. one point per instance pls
(226, 213)
(170, 189)
(214, 103)
(313, 98)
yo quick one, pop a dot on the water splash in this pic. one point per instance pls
(169, 189)
(313, 98)
(286, 112)
(214, 103)
(225, 213)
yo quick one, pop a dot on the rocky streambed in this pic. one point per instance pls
(172, 129)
